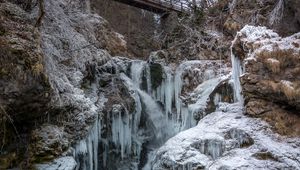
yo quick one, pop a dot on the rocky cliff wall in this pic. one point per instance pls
(271, 80)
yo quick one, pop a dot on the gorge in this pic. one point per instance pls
(216, 89)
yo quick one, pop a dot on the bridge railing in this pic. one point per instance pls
(178, 5)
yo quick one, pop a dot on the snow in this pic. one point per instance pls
(188, 147)
(287, 84)
(255, 33)
(62, 163)
(259, 39)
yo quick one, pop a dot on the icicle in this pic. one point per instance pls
(169, 91)
(188, 120)
(121, 130)
(148, 78)
(177, 90)
(217, 99)
(213, 147)
(86, 151)
(236, 73)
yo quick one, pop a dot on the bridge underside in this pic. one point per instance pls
(149, 6)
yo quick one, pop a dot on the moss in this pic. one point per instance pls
(103, 83)
(7, 160)
(265, 156)
(2, 31)
(41, 159)
(16, 52)
(3, 72)
(156, 72)
(199, 16)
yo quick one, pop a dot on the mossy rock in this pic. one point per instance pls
(2, 31)
(8, 160)
(265, 156)
(156, 71)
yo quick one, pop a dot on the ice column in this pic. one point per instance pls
(236, 73)
(86, 151)
(121, 129)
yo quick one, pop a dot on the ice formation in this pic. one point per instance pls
(121, 130)
(237, 71)
(228, 138)
(63, 163)
(86, 151)
(178, 115)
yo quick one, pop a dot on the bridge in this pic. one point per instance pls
(160, 6)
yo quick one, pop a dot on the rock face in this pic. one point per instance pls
(227, 139)
(25, 90)
(48, 92)
(139, 27)
(271, 80)
(66, 103)
(279, 15)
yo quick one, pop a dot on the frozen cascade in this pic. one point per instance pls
(121, 130)
(86, 151)
(237, 71)
(156, 115)
(169, 91)
(165, 120)
(148, 79)
(125, 126)
(136, 70)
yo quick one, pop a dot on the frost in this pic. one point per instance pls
(63, 163)
(277, 13)
(227, 139)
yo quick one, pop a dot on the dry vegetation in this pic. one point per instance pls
(278, 59)
(273, 65)
(283, 122)
(290, 90)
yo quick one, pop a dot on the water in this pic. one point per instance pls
(159, 114)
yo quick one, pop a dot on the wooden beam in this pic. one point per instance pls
(156, 6)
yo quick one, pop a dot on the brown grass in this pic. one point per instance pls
(273, 65)
(37, 69)
(286, 58)
(289, 91)
(283, 122)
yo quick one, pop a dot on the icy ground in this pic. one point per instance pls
(227, 139)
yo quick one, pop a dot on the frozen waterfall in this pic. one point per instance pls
(237, 71)
(86, 151)
(160, 112)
